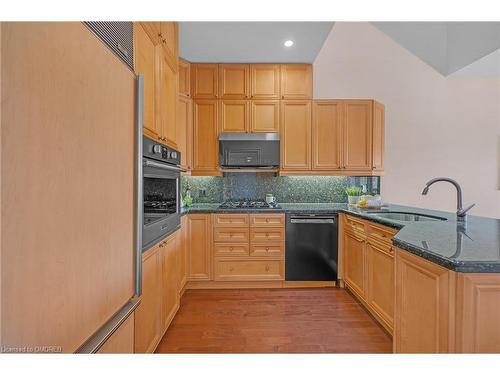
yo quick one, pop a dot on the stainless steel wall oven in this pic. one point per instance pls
(161, 191)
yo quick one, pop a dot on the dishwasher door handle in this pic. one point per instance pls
(312, 221)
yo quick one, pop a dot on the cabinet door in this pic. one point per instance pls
(234, 81)
(122, 340)
(264, 116)
(167, 101)
(205, 142)
(145, 64)
(169, 39)
(183, 244)
(234, 115)
(265, 81)
(327, 135)
(204, 81)
(295, 132)
(422, 305)
(185, 130)
(147, 315)
(199, 247)
(355, 263)
(378, 136)
(380, 280)
(357, 133)
(184, 78)
(170, 279)
(296, 81)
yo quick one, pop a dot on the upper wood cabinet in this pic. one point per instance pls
(199, 254)
(169, 39)
(205, 81)
(378, 136)
(357, 133)
(295, 130)
(264, 116)
(167, 101)
(234, 115)
(296, 81)
(265, 81)
(327, 135)
(234, 81)
(146, 64)
(184, 78)
(185, 130)
(205, 138)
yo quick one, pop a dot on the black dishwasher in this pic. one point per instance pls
(311, 247)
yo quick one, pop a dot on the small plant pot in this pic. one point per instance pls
(353, 199)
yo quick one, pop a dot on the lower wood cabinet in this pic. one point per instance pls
(169, 254)
(122, 340)
(199, 254)
(238, 269)
(424, 302)
(355, 262)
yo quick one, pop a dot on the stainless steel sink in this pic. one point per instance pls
(406, 216)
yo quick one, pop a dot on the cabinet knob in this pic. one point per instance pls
(267, 249)
(230, 249)
(231, 269)
(267, 267)
(267, 220)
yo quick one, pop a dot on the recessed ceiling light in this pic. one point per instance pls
(288, 43)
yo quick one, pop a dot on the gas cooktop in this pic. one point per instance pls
(248, 204)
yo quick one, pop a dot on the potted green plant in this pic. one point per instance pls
(353, 194)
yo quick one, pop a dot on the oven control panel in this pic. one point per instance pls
(155, 150)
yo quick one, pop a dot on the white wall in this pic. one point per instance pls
(435, 125)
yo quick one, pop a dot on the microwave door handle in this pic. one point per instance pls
(149, 163)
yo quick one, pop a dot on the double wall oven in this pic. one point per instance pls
(161, 191)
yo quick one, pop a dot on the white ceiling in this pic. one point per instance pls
(446, 46)
(251, 42)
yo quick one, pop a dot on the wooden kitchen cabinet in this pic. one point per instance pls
(234, 116)
(169, 257)
(148, 313)
(122, 340)
(265, 81)
(296, 81)
(380, 281)
(205, 138)
(199, 255)
(205, 81)
(378, 135)
(147, 65)
(185, 130)
(234, 81)
(295, 130)
(183, 249)
(264, 116)
(424, 302)
(357, 135)
(167, 101)
(169, 36)
(327, 135)
(184, 78)
(355, 262)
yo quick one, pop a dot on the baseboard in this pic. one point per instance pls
(309, 284)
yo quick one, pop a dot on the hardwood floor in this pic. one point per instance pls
(326, 320)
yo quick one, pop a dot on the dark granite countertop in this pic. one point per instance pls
(470, 247)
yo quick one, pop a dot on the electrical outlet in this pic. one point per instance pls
(203, 192)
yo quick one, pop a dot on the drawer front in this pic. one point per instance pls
(267, 220)
(231, 220)
(383, 234)
(230, 269)
(231, 249)
(230, 234)
(268, 250)
(267, 234)
(354, 224)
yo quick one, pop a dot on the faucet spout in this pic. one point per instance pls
(461, 212)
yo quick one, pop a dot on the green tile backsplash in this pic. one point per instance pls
(292, 189)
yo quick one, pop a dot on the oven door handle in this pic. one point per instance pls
(149, 163)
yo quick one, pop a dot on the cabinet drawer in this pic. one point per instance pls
(231, 249)
(355, 224)
(268, 250)
(230, 234)
(243, 269)
(267, 234)
(231, 220)
(383, 234)
(265, 220)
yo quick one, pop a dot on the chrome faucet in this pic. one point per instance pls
(461, 212)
